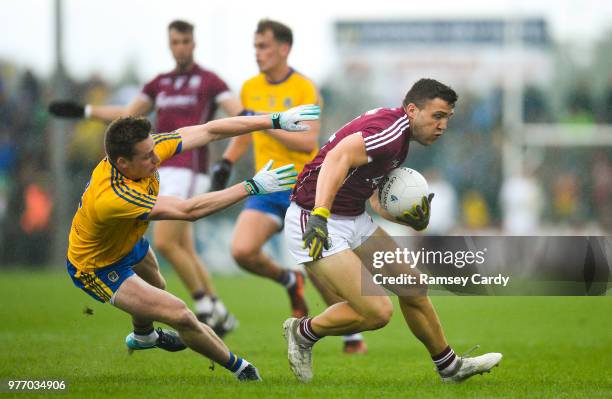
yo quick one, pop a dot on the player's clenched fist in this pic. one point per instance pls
(315, 236)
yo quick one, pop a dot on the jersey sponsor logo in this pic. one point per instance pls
(178, 100)
(195, 82)
(179, 82)
(165, 81)
(113, 276)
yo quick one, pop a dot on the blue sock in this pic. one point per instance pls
(234, 363)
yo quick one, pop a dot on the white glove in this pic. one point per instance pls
(290, 119)
(270, 181)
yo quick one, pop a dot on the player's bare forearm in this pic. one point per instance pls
(108, 112)
(173, 208)
(305, 142)
(200, 135)
(138, 107)
(237, 147)
(206, 204)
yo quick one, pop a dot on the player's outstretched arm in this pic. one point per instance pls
(290, 120)
(141, 105)
(305, 143)
(266, 181)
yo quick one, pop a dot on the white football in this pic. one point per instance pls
(402, 189)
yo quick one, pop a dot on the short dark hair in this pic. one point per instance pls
(281, 32)
(181, 26)
(122, 134)
(428, 89)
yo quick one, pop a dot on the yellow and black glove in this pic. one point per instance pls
(418, 216)
(315, 236)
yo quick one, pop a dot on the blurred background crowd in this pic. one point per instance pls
(562, 140)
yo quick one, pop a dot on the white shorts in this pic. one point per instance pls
(182, 182)
(344, 232)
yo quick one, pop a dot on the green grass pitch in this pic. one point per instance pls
(554, 347)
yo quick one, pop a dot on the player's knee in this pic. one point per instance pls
(164, 245)
(243, 254)
(185, 319)
(380, 315)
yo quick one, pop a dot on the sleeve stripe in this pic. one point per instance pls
(401, 120)
(136, 194)
(174, 133)
(166, 139)
(179, 148)
(162, 135)
(388, 137)
(148, 207)
(116, 187)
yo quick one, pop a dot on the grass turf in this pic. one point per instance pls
(554, 347)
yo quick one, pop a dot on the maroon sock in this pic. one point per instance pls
(445, 361)
(305, 330)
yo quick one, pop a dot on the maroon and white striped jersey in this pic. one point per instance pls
(386, 135)
(186, 99)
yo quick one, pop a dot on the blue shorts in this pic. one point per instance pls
(274, 204)
(102, 283)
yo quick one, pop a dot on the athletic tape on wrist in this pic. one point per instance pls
(321, 211)
(251, 187)
(276, 120)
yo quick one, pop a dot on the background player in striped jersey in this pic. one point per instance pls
(188, 95)
(328, 229)
(277, 87)
(106, 243)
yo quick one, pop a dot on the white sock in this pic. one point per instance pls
(204, 305)
(219, 309)
(147, 339)
(242, 367)
(352, 337)
(291, 281)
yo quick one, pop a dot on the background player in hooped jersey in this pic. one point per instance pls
(328, 229)
(277, 88)
(106, 243)
(188, 95)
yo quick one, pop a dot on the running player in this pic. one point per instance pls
(276, 88)
(188, 95)
(106, 243)
(328, 229)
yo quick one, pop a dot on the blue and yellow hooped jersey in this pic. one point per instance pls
(113, 211)
(262, 96)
